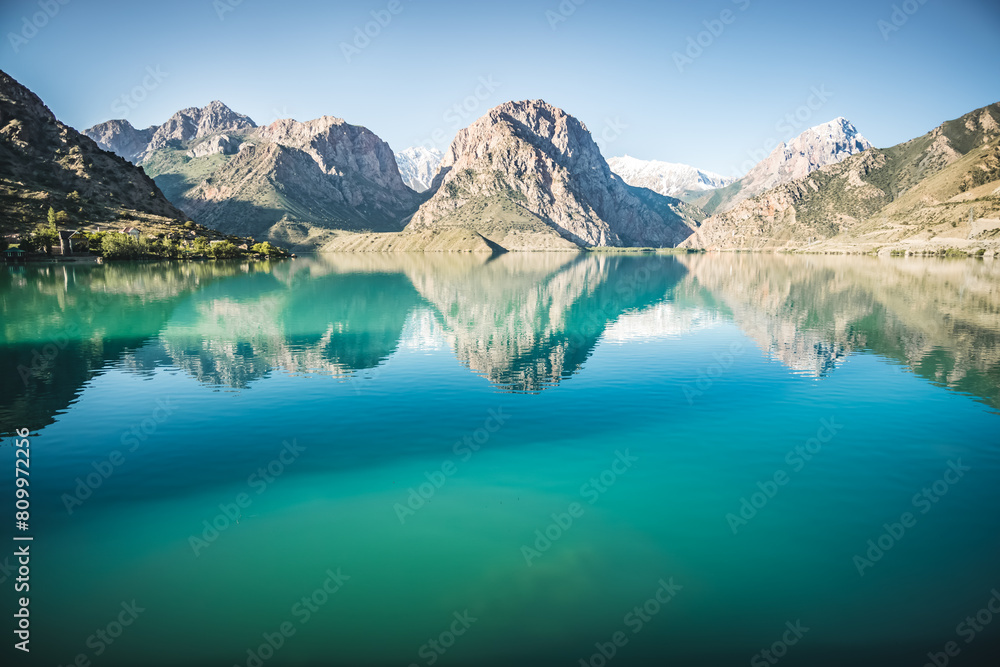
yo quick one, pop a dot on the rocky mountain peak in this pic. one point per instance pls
(545, 161)
(119, 136)
(338, 147)
(824, 144)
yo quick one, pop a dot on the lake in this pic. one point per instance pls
(530, 459)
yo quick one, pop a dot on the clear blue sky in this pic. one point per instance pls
(610, 63)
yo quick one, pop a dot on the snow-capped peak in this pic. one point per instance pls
(418, 166)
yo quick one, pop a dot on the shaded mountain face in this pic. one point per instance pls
(545, 162)
(45, 163)
(817, 147)
(666, 178)
(290, 182)
(939, 190)
(418, 166)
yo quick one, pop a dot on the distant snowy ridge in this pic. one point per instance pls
(667, 178)
(418, 166)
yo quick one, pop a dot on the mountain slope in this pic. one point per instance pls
(924, 190)
(544, 162)
(666, 178)
(45, 163)
(816, 147)
(418, 165)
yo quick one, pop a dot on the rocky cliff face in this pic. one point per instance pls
(666, 178)
(45, 163)
(546, 162)
(418, 166)
(341, 150)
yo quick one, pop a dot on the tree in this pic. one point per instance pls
(200, 244)
(27, 243)
(46, 237)
(52, 216)
(62, 218)
(95, 242)
(266, 249)
(123, 246)
(3, 244)
(173, 249)
(225, 250)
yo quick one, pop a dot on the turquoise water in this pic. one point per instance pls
(534, 459)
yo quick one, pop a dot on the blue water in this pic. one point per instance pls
(638, 460)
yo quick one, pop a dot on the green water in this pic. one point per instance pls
(427, 420)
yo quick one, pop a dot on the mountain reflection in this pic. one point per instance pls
(523, 321)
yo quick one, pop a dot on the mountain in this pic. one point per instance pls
(817, 147)
(118, 136)
(418, 165)
(44, 163)
(938, 191)
(542, 166)
(290, 182)
(667, 178)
